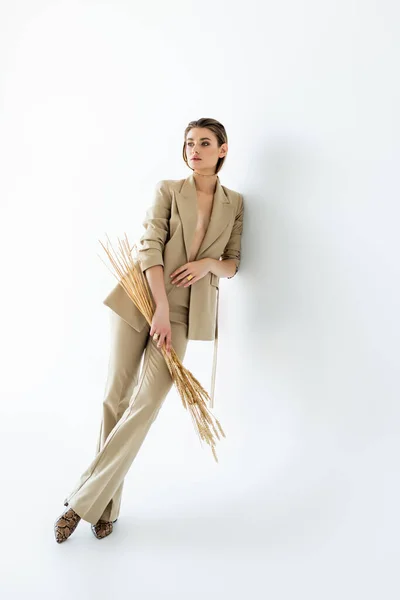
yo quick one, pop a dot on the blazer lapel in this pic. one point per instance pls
(186, 199)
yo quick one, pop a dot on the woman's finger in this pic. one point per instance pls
(160, 340)
(191, 281)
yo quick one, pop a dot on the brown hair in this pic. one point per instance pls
(217, 128)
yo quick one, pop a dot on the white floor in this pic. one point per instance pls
(324, 526)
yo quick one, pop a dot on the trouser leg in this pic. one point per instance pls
(127, 347)
(102, 479)
(126, 352)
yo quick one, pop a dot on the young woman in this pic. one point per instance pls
(192, 238)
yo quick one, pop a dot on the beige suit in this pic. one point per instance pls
(169, 230)
(132, 401)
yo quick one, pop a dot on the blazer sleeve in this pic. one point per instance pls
(232, 249)
(156, 224)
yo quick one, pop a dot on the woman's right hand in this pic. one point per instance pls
(161, 324)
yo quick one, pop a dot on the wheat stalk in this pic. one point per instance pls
(126, 269)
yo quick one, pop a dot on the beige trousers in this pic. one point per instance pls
(131, 404)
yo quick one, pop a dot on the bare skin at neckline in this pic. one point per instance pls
(204, 208)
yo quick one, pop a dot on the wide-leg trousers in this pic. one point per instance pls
(131, 403)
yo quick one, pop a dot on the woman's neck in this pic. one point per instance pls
(205, 184)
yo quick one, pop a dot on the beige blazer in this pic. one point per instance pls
(170, 225)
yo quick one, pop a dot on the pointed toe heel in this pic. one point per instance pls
(102, 528)
(65, 525)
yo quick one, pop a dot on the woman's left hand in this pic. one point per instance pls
(197, 268)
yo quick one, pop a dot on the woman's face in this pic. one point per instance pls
(202, 143)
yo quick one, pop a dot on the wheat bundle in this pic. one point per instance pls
(126, 269)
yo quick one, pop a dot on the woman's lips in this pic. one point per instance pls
(196, 158)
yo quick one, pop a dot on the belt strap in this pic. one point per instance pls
(214, 367)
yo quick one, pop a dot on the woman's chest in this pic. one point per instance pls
(189, 222)
(204, 210)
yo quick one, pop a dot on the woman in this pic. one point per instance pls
(192, 238)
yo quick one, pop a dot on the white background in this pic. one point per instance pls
(95, 96)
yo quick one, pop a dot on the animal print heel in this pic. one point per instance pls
(65, 525)
(102, 528)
